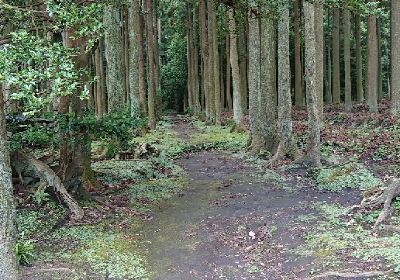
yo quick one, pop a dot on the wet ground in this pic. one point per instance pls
(228, 225)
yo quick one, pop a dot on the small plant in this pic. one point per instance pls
(24, 252)
(40, 197)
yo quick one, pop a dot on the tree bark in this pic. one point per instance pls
(211, 63)
(257, 141)
(372, 64)
(380, 70)
(243, 63)
(229, 82)
(140, 55)
(336, 56)
(298, 84)
(395, 57)
(115, 73)
(133, 59)
(204, 54)
(152, 82)
(347, 65)
(313, 145)
(214, 34)
(267, 97)
(99, 68)
(287, 145)
(319, 48)
(359, 67)
(236, 78)
(328, 68)
(8, 262)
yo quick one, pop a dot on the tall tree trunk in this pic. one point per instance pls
(243, 63)
(126, 51)
(267, 98)
(319, 48)
(137, 16)
(190, 62)
(347, 54)
(133, 77)
(229, 82)
(380, 72)
(328, 68)
(298, 66)
(196, 97)
(336, 56)
(204, 54)
(8, 262)
(211, 63)
(287, 145)
(152, 82)
(222, 78)
(313, 144)
(99, 68)
(372, 64)
(395, 57)
(75, 154)
(214, 34)
(359, 67)
(115, 75)
(257, 140)
(236, 78)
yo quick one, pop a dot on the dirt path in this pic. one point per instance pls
(228, 225)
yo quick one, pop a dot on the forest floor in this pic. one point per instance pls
(225, 217)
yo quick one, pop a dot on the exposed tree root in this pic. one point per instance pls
(376, 198)
(23, 162)
(362, 275)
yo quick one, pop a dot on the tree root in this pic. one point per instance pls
(330, 274)
(48, 178)
(376, 198)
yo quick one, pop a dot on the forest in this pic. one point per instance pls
(199, 139)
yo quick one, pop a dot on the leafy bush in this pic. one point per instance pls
(348, 176)
(35, 136)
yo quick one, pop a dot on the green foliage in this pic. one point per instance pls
(145, 194)
(107, 252)
(31, 225)
(166, 141)
(348, 176)
(333, 239)
(35, 136)
(218, 137)
(40, 197)
(42, 62)
(24, 251)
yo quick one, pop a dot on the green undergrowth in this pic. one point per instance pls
(114, 171)
(105, 250)
(165, 140)
(142, 196)
(32, 225)
(218, 137)
(334, 241)
(346, 176)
